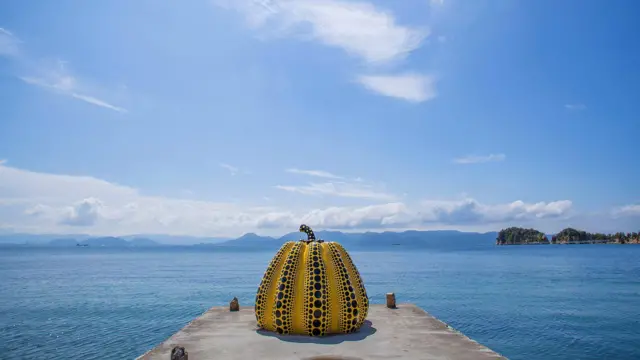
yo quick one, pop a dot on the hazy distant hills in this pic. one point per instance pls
(369, 240)
(421, 239)
(73, 239)
(108, 241)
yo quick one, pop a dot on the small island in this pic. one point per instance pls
(522, 236)
(519, 236)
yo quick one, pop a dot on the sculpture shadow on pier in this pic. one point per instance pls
(365, 331)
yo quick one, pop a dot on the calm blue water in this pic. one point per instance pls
(526, 302)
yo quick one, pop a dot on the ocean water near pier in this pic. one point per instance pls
(526, 302)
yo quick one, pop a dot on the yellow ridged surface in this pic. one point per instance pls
(343, 296)
(268, 286)
(299, 324)
(286, 292)
(332, 281)
(311, 288)
(357, 286)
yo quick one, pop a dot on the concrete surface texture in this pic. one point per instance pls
(406, 332)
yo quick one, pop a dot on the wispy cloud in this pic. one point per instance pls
(339, 186)
(436, 2)
(9, 44)
(232, 169)
(410, 87)
(64, 84)
(476, 159)
(98, 102)
(316, 173)
(56, 78)
(359, 28)
(340, 189)
(575, 107)
(627, 210)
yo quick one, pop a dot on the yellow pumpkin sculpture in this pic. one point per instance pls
(311, 287)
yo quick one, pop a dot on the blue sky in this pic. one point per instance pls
(223, 117)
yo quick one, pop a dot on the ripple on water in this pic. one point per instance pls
(557, 303)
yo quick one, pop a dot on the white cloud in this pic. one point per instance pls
(373, 216)
(98, 102)
(339, 186)
(627, 210)
(358, 28)
(54, 203)
(410, 87)
(41, 202)
(343, 218)
(61, 82)
(436, 2)
(339, 189)
(55, 78)
(575, 107)
(398, 215)
(476, 159)
(37, 210)
(83, 213)
(316, 173)
(471, 211)
(232, 169)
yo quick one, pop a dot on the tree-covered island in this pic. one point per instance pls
(522, 236)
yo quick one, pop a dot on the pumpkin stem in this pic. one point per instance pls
(310, 235)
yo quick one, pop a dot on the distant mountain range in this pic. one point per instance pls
(157, 239)
(447, 239)
(423, 239)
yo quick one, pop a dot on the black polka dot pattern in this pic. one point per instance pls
(296, 296)
(316, 286)
(349, 304)
(283, 309)
(310, 235)
(267, 279)
(357, 283)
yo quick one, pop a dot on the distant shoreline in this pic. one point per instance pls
(568, 236)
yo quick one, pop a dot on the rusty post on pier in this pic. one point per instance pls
(391, 300)
(233, 305)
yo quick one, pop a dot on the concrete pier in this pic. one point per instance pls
(405, 332)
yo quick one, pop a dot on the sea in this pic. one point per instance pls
(526, 302)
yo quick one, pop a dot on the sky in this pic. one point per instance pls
(222, 117)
